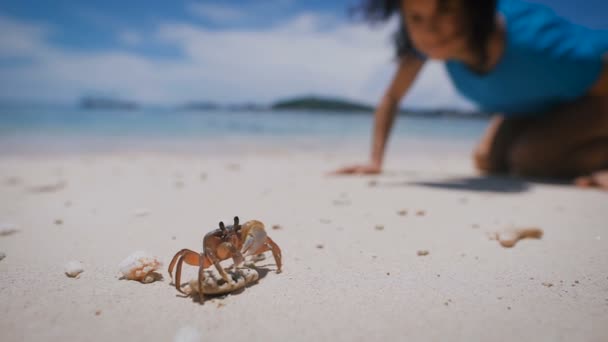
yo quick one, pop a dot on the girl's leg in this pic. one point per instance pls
(570, 142)
(567, 143)
(492, 151)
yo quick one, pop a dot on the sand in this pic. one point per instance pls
(362, 284)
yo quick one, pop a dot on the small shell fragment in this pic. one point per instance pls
(140, 266)
(510, 237)
(73, 269)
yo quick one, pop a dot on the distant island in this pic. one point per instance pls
(107, 103)
(308, 104)
(321, 104)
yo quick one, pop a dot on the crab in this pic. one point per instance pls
(236, 242)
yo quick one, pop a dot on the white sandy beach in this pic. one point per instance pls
(365, 283)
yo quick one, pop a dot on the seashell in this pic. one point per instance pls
(73, 269)
(215, 285)
(140, 266)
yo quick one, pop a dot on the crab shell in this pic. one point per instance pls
(215, 285)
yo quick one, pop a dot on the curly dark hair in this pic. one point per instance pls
(480, 14)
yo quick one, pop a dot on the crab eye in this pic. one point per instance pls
(236, 221)
(222, 227)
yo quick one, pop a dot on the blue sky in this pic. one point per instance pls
(163, 52)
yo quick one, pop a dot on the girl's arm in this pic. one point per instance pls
(406, 73)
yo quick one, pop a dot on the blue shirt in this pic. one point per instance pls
(546, 61)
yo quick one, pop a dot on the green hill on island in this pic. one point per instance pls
(320, 104)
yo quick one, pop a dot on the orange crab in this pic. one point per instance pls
(236, 242)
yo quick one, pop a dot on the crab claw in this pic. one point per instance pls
(254, 236)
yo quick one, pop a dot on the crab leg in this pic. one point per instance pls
(237, 257)
(209, 253)
(270, 245)
(189, 254)
(254, 237)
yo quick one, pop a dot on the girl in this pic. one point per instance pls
(545, 78)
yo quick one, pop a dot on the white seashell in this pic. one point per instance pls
(73, 269)
(140, 266)
(188, 334)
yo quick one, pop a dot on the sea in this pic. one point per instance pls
(64, 129)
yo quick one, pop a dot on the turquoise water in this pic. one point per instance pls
(47, 128)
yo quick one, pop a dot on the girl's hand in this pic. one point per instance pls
(366, 169)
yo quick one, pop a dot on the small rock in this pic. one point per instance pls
(141, 212)
(379, 227)
(97, 312)
(422, 252)
(2, 255)
(547, 284)
(341, 202)
(12, 181)
(7, 229)
(320, 246)
(48, 187)
(73, 269)
(420, 213)
(58, 221)
(402, 212)
(277, 227)
(372, 183)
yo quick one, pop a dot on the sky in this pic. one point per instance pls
(169, 53)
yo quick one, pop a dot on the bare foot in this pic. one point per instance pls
(595, 180)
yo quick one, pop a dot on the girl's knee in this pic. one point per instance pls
(487, 162)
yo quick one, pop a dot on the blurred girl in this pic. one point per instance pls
(546, 80)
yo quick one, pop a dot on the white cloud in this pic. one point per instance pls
(308, 54)
(130, 38)
(21, 39)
